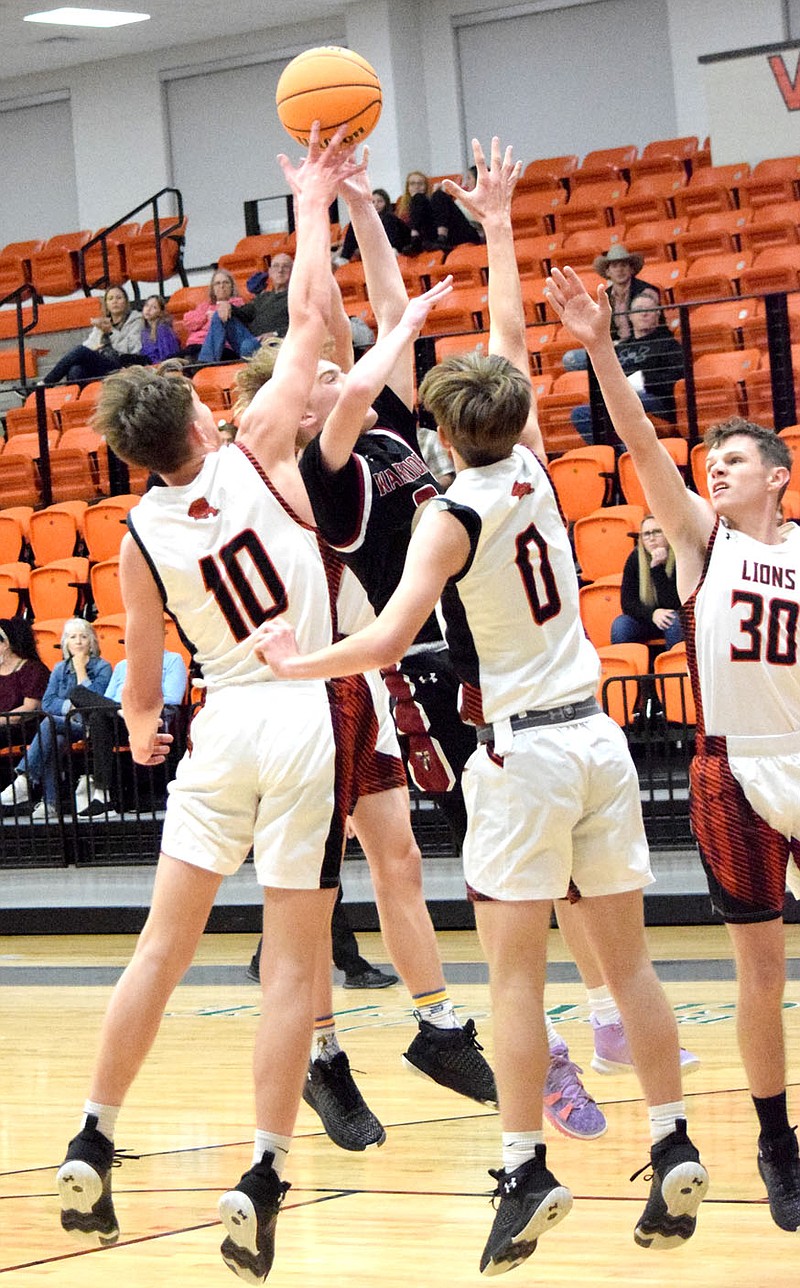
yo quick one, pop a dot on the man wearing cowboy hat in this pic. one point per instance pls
(620, 266)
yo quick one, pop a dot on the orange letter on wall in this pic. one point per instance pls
(790, 90)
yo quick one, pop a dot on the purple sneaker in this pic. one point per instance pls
(613, 1055)
(567, 1103)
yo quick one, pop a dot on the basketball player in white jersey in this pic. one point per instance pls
(738, 572)
(552, 795)
(227, 543)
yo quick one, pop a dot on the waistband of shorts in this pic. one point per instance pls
(773, 744)
(432, 646)
(552, 716)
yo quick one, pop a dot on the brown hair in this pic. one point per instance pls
(772, 448)
(481, 402)
(144, 417)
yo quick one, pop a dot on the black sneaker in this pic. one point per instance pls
(84, 1185)
(331, 1092)
(249, 1214)
(531, 1202)
(679, 1186)
(369, 978)
(452, 1057)
(779, 1165)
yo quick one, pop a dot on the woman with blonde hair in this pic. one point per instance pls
(649, 593)
(39, 767)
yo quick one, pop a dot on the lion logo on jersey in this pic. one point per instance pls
(200, 509)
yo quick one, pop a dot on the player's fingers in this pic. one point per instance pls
(477, 152)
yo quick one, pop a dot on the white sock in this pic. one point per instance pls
(106, 1116)
(519, 1147)
(269, 1142)
(554, 1039)
(663, 1119)
(602, 1005)
(325, 1043)
(436, 1008)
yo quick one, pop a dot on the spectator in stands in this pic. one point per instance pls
(23, 675)
(159, 341)
(114, 341)
(619, 267)
(221, 289)
(434, 220)
(236, 330)
(652, 360)
(649, 594)
(104, 720)
(396, 229)
(82, 665)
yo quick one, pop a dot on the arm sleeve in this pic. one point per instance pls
(665, 588)
(128, 337)
(116, 682)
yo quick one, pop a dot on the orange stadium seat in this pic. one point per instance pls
(711, 188)
(48, 632)
(449, 346)
(583, 479)
(718, 327)
(715, 233)
(773, 180)
(252, 254)
(14, 530)
(19, 482)
(599, 604)
(113, 270)
(55, 532)
(655, 238)
(59, 589)
(24, 419)
(106, 593)
(650, 197)
(534, 254)
(111, 634)
(14, 579)
(675, 692)
(580, 248)
(141, 256)
(104, 526)
(603, 163)
(774, 269)
(545, 170)
(712, 277)
(72, 475)
(629, 482)
(468, 264)
(603, 540)
(15, 264)
(621, 665)
(666, 276)
(590, 206)
(55, 269)
(771, 226)
(532, 212)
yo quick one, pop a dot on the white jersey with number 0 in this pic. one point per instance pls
(511, 618)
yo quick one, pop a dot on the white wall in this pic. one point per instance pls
(121, 139)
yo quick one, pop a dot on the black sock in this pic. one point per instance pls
(772, 1116)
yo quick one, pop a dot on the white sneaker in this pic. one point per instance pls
(40, 813)
(83, 792)
(16, 793)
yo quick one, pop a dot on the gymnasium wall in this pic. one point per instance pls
(550, 76)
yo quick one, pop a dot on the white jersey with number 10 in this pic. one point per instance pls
(229, 554)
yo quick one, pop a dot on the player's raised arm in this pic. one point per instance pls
(369, 375)
(686, 518)
(386, 289)
(269, 425)
(489, 202)
(438, 551)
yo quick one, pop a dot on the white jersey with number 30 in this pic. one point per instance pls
(229, 554)
(746, 612)
(511, 618)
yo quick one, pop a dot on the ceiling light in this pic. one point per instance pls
(86, 17)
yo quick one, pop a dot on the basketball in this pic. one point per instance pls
(333, 86)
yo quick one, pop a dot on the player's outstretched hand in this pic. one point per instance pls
(419, 307)
(589, 320)
(275, 644)
(355, 187)
(154, 751)
(495, 184)
(322, 169)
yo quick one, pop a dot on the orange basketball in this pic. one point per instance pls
(333, 86)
